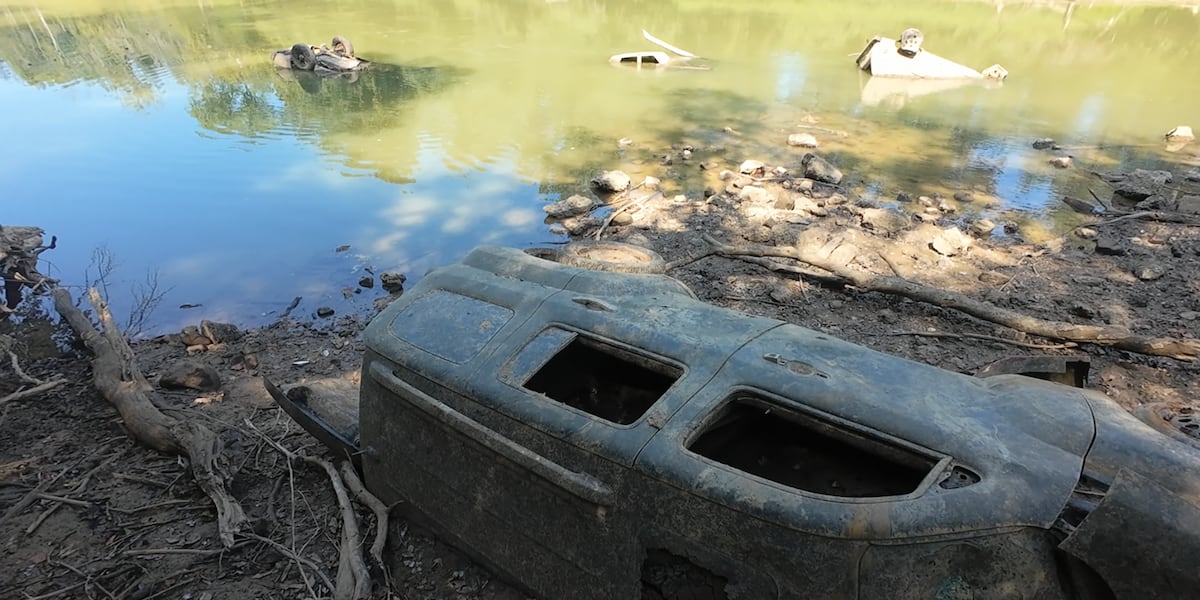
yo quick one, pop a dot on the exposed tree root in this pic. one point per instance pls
(1118, 337)
(117, 377)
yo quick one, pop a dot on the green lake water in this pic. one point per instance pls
(161, 132)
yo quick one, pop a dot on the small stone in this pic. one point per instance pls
(1193, 176)
(753, 193)
(725, 175)
(759, 235)
(785, 202)
(1043, 143)
(580, 225)
(1086, 233)
(903, 197)
(622, 219)
(190, 374)
(947, 206)
(709, 192)
(802, 140)
(926, 201)
(925, 217)
(1110, 246)
(836, 304)
(753, 168)
(570, 207)
(220, 333)
(342, 248)
(324, 312)
(366, 281)
(191, 336)
(1155, 202)
(1011, 227)
(994, 278)
(651, 183)
(679, 199)
(624, 143)
(950, 242)
(1189, 315)
(804, 185)
(1149, 271)
(611, 181)
(882, 220)
(686, 154)
(667, 160)
(779, 171)
(964, 197)
(709, 165)
(836, 200)
(983, 227)
(392, 282)
(820, 169)
(1182, 133)
(1083, 310)
(1060, 162)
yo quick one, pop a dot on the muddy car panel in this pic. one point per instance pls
(569, 428)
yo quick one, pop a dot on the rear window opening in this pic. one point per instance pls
(603, 380)
(770, 441)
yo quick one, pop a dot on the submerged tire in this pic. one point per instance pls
(612, 256)
(341, 47)
(302, 57)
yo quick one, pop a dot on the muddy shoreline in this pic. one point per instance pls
(138, 527)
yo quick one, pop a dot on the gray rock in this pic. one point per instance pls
(1083, 310)
(903, 198)
(220, 333)
(709, 165)
(756, 195)
(752, 167)
(1188, 204)
(1043, 143)
(192, 375)
(1110, 246)
(882, 220)
(324, 312)
(1156, 202)
(950, 242)
(191, 336)
(611, 181)
(725, 175)
(820, 169)
(802, 140)
(1087, 233)
(651, 183)
(622, 219)
(785, 202)
(1141, 184)
(836, 200)
(804, 185)
(366, 281)
(983, 227)
(392, 282)
(580, 225)
(1060, 162)
(946, 206)
(967, 197)
(994, 278)
(1189, 315)
(1149, 271)
(1193, 175)
(569, 207)
(926, 217)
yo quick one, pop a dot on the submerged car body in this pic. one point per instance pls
(599, 435)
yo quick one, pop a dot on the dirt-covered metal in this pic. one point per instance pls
(600, 435)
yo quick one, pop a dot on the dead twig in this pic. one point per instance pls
(299, 560)
(1115, 336)
(622, 207)
(33, 391)
(375, 504)
(353, 577)
(980, 336)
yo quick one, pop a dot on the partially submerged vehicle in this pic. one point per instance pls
(656, 58)
(886, 57)
(591, 434)
(338, 57)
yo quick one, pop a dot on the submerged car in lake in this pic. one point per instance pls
(598, 435)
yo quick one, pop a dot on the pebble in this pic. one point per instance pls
(324, 312)
(1190, 315)
(802, 140)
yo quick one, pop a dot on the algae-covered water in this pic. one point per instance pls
(161, 133)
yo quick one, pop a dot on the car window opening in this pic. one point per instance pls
(805, 453)
(603, 380)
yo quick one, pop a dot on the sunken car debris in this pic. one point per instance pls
(596, 435)
(885, 57)
(336, 58)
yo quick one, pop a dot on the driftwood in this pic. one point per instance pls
(1118, 337)
(116, 375)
